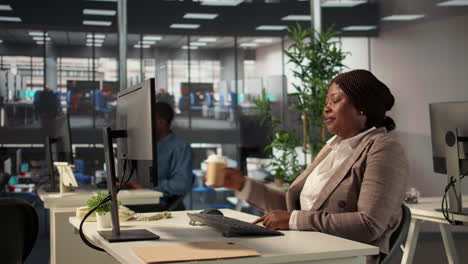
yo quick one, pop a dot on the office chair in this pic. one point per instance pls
(20, 225)
(4, 178)
(177, 202)
(398, 237)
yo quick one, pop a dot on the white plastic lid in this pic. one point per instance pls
(217, 159)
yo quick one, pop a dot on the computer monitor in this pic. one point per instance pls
(449, 135)
(58, 146)
(135, 132)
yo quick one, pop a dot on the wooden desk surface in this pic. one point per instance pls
(79, 198)
(426, 207)
(295, 246)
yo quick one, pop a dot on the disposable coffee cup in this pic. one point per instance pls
(215, 170)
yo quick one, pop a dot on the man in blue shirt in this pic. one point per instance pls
(174, 165)
(174, 159)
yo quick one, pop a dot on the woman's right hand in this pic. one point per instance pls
(233, 179)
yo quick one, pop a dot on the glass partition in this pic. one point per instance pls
(20, 78)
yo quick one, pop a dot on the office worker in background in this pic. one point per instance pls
(46, 105)
(355, 186)
(174, 160)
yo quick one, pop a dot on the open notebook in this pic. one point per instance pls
(193, 251)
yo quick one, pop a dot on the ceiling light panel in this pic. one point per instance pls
(207, 16)
(151, 37)
(189, 47)
(147, 42)
(407, 17)
(297, 18)
(97, 23)
(263, 40)
(220, 2)
(248, 45)
(10, 19)
(138, 46)
(5, 8)
(99, 12)
(195, 43)
(207, 39)
(41, 38)
(271, 27)
(185, 26)
(342, 3)
(93, 45)
(94, 40)
(454, 3)
(1, 41)
(359, 28)
(96, 36)
(37, 33)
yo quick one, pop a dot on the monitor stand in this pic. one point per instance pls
(128, 235)
(117, 235)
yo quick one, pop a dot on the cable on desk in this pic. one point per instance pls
(445, 205)
(122, 184)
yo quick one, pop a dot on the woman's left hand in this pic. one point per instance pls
(275, 220)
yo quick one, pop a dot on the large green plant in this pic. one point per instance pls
(316, 60)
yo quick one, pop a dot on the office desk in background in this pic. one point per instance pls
(293, 247)
(65, 247)
(27, 108)
(423, 211)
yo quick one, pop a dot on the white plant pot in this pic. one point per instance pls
(103, 220)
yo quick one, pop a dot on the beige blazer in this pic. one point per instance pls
(361, 202)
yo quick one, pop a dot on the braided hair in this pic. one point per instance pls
(369, 95)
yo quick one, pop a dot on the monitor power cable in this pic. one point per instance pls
(122, 185)
(445, 206)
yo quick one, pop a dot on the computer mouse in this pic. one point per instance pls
(212, 211)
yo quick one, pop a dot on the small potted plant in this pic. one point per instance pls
(285, 164)
(103, 216)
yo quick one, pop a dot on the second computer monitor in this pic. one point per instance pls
(445, 117)
(136, 114)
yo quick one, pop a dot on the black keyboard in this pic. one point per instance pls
(231, 227)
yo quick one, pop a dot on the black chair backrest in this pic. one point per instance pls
(4, 178)
(19, 224)
(177, 202)
(399, 235)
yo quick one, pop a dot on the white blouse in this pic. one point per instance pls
(340, 150)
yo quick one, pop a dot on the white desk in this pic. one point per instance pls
(65, 247)
(294, 247)
(424, 210)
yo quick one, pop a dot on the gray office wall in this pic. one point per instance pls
(423, 63)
